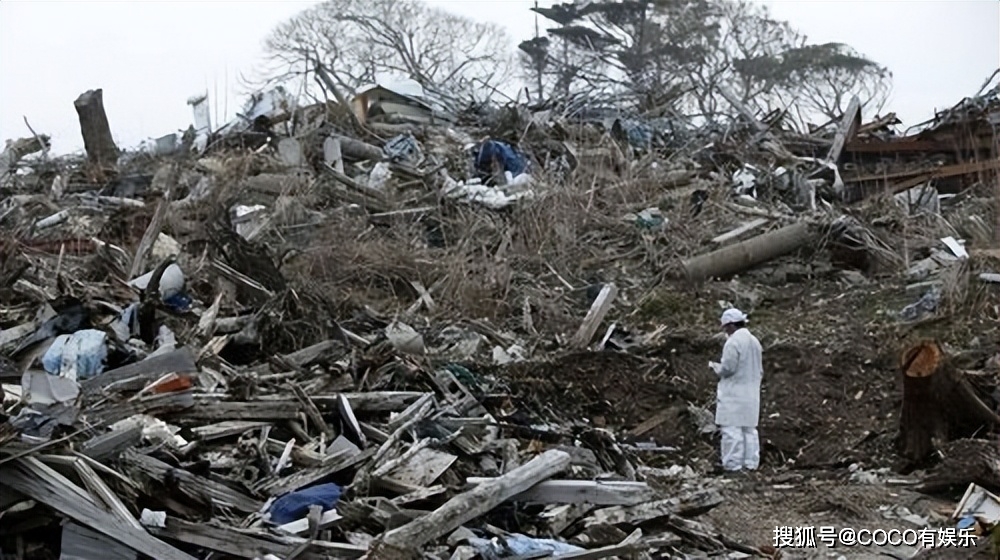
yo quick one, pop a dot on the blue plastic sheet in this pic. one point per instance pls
(295, 505)
(509, 158)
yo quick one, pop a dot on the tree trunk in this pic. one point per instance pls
(97, 139)
(938, 402)
(741, 256)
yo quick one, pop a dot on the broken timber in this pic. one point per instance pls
(97, 139)
(468, 505)
(598, 493)
(39, 482)
(600, 308)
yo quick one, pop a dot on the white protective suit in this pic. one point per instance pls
(738, 398)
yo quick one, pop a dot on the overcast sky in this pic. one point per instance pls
(149, 56)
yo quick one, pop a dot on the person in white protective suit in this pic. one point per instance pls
(738, 396)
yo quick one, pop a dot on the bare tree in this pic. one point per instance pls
(677, 53)
(360, 41)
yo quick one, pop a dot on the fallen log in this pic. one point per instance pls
(401, 542)
(97, 140)
(938, 402)
(358, 150)
(746, 254)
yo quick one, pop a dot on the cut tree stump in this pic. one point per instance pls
(938, 402)
(97, 139)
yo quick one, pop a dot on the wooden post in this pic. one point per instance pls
(745, 254)
(401, 541)
(97, 139)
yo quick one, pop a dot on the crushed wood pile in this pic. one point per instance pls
(322, 332)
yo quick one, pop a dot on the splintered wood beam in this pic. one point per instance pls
(600, 308)
(43, 484)
(188, 482)
(471, 504)
(598, 493)
(848, 127)
(247, 543)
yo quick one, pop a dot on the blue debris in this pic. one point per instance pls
(91, 351)
(509, 159)
(639, 134)
(517, 545)
(403, 148)
(295, 505)
(179, 302)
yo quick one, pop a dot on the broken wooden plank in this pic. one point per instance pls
(97, 487)
(350, 421)
(312, 413)
(473, 503)
(42, 484)
(111, 412)
(211, 407)
(247, 543)
(331, 466)
(415, 469)
(114, 442)
(419, 408)
(629, 545)
(139, 374)
(190, 483)
(309, 354)
(300, 456)
(600, 308)
(596, 492)
(744, 229)
(149, 237)
(653, 422)
(691, 504)
(226, 429)
(80, 543)
(848, 127)
(97, 139)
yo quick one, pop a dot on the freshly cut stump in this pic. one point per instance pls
(938, 402)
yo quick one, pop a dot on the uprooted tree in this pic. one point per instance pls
(359, 42)
(675, 54)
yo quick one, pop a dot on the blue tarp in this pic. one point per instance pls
(295, 506)
(509, 158)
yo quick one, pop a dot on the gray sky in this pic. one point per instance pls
(149, 56)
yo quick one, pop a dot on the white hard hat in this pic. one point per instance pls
(733, 316)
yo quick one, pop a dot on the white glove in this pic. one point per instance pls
(716, 366)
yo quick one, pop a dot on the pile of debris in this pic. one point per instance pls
(361, 329)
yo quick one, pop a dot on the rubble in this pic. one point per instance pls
(351, 330)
